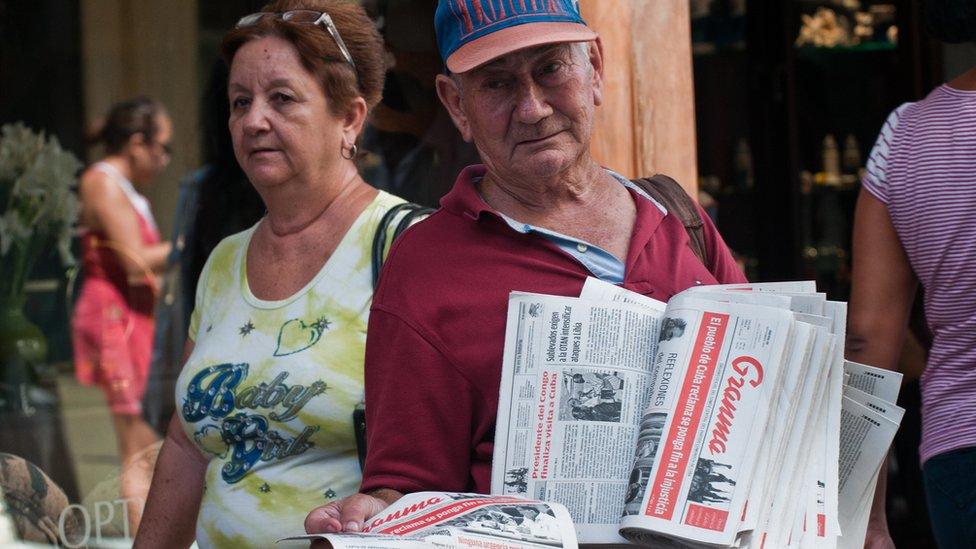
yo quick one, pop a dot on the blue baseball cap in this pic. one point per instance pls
(473, 32)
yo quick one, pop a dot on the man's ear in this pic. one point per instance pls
(450, 96)
(596, 61)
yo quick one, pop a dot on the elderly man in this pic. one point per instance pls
(540, 215)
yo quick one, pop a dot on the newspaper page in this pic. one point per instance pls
(712, 381)
(785, 406)
(807, 517)
(575, 380)
(787, 484)
(823, 520)
(819, 526)
(868, 426)
(884, 384)
(792, 286)
(798, 359)
(837, 312)
(854, 527)
(806, 511)
(804, 439)
(804, 514)
(595, 289)
(452, 520)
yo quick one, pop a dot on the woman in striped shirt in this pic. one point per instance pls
(914, 225)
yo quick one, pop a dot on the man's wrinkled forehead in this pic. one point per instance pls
(526, 55)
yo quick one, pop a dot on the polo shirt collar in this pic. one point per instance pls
(463, 199)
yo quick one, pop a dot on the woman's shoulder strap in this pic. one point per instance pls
(408, 212)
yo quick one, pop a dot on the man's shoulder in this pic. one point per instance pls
(453, 261)
(430, 249)
(428, 236)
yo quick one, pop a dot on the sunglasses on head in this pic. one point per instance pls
(302, 16)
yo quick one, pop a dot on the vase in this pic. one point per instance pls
(22, 348)
(30, 408)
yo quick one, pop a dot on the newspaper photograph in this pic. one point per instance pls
(591, 395)
(459, 520)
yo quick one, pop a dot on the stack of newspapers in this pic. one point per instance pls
(725, 417)
(422, 520)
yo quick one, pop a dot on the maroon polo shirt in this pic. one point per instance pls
(437, 328)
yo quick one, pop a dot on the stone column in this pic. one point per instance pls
(142, 47)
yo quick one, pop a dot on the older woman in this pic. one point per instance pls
(274, 367)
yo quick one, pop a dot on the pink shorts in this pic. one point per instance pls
(112, 346)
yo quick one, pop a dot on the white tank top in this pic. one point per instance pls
(139, 202)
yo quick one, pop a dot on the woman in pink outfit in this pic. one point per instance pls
(121, 254)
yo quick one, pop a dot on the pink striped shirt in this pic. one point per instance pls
(923, 167)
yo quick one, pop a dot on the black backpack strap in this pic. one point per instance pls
(408, 219)
(410, 213)
(673, 197)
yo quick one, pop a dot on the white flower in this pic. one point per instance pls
(38, 205)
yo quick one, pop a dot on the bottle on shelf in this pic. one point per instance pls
(851, 162)
(830, 158)
(742, 163)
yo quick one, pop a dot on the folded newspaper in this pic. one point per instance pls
(450, 520)
(718, 419)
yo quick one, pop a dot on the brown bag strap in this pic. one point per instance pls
(673, 197)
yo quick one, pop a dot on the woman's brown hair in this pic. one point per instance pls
(319, 53)
(138, 115)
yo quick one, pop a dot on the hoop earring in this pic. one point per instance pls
(353, 151)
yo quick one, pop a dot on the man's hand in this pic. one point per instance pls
(349, 514)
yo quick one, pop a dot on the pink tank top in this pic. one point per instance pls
(100, 256)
